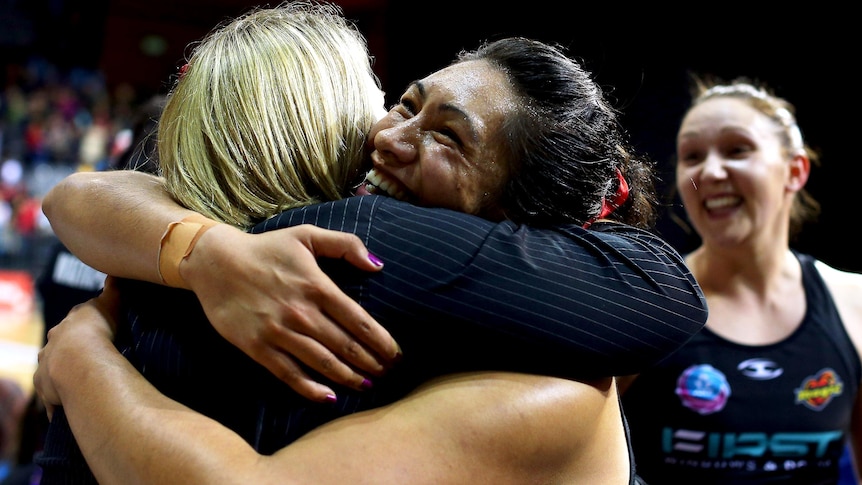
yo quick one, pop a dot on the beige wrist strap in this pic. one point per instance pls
(177, 243)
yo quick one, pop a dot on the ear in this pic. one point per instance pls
(800, 169)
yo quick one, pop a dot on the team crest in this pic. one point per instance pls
(817, 391)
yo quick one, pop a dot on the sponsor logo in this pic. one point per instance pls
(703, 389)
(729, 446)
(759, 369)
(818, 390)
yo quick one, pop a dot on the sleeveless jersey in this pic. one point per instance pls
(721, 412)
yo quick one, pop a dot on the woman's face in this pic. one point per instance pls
(440, 146)
(732, 172)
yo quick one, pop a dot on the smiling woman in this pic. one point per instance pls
(768, 392)
(459, 130)
(557, 302)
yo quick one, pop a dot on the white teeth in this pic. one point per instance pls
(721, 202)
(379, 184)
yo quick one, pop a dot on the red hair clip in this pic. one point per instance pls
(184, 69)
(619, 199)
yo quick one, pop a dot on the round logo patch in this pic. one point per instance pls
(703, 389)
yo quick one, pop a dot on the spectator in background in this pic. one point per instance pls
(768, 392)
(67, 281)
(12, 409)
(52, 121)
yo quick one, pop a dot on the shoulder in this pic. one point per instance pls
(500, 426)
(842, 284)
(634, 235)
(345, 213)
(643, 247)
(845, 288)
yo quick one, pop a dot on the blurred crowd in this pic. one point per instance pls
(52, 122)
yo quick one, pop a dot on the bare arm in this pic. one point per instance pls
(288, 307)
(113, 221)
(504, 428)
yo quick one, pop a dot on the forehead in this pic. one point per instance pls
(725, 113)
(476, 86)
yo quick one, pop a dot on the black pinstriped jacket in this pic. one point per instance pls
(457, 292)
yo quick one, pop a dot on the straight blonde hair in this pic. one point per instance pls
(271, 112)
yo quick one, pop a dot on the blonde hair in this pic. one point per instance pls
(270, 113)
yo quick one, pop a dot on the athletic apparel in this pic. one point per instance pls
(458, 293)
(720, 412)
(65, 282)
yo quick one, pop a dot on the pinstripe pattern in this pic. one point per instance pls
(618, 296)
(458, 293)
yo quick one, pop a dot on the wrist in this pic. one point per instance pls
(82, 329)
(213, 252)
(177, 244)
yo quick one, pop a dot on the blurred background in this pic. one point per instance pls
(75, 71)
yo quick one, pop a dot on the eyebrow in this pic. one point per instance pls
(447, 107)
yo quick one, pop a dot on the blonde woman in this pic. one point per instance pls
(454, 283)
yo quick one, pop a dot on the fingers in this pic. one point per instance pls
(355, 320)
(343, 309)
(42, 384)
(321, 345)
(285, 368)
(342, 245)
(300, 317)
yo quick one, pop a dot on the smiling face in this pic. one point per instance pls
(733, 174)
(441, 145)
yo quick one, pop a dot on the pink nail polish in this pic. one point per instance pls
(366, 384)
(330, 398)
(375, 260)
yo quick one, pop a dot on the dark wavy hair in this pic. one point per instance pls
(566, 142)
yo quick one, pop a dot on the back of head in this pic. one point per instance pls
(271, 112)
(567, 144)
(760, 97)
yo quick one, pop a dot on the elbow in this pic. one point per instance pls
(52, 201)
(70, 194)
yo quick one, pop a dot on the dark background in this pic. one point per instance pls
(641, 55)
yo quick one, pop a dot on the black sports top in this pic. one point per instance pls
(721, 412)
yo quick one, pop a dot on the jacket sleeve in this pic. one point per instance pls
(611, 300)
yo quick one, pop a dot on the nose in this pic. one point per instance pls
(398, 142)
(713, 167)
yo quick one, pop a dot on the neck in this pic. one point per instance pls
(718, 268)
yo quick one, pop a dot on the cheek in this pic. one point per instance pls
(686, 185)
(447, 186)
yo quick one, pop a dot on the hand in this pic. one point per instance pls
(266, 295)
(95, 318)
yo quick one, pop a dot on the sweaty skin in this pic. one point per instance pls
(459, 429)
(449, 118)
(430, 146)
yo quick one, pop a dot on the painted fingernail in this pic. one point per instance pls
(366, 384)
(330, 398)
(375, 260)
